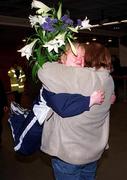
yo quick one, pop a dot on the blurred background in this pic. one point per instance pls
(110, 28)
(109, 20)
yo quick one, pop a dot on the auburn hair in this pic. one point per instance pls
(97, 55)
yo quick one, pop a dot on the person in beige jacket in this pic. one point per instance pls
(77, 143)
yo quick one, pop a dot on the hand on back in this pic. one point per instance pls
(97, 97)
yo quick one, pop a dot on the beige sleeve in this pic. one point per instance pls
(56, 77)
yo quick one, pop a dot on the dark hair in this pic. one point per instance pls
(97, 55)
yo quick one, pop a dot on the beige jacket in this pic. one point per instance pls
(80, 139)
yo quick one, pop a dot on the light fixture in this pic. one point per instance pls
(124, 21)
(94, 39)
(109, 40)
(87, 43)
(24, 40)
(116, 27)
(110, 23)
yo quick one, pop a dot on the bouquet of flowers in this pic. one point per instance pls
(52, 31)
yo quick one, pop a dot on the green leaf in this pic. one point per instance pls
(34, 70)
(59, 13)
(72, 47)
(73, 29)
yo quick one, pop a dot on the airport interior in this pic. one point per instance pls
(109, 20)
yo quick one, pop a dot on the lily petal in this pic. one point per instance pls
(36, 19)
(41, 6)
(85, 24)
(27, 50)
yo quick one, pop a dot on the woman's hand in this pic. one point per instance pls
(97, 97)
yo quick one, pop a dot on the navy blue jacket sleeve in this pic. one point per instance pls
(66, 105)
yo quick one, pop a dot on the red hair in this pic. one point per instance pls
(97, 55)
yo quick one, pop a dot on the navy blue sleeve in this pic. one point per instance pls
(66, 105)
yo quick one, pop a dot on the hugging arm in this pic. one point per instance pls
(67, 105)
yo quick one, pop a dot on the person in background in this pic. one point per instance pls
(77, 143)
(116, 73)
(3, 107)
(17, 79)
(116, 65)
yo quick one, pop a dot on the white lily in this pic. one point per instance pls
(41, 6)
(54, 44)
(60, 42)
(85, 24)
(27, 50)
(36, 19)
(57, 42)
(60, 36)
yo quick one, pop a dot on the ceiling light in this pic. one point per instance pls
(94, 39)
(87, 43)
(24, 40)
(124, 21)
(109, 40)
(110, 23)
(116, 27)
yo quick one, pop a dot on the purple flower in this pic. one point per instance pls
(48, 27)
(51, 21)
(64, 26)
(48, 20)
(64, 18)
(79, 22)
(54, 21)
(67, 20)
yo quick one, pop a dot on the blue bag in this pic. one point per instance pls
(26, 133)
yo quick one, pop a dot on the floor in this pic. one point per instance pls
(113, 165)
